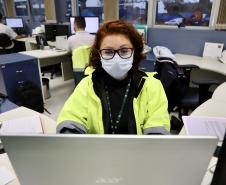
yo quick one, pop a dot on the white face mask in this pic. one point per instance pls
(117, 67)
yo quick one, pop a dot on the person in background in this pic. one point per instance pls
(8, 30)
(81, 37)
(116, 98)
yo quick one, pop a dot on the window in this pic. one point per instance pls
(183, 12)
(68, 9)
(133, 11)
(21, 7)
(221, 20)
(37, 10)
(91, 8)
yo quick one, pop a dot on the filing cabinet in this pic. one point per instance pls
(14, 70)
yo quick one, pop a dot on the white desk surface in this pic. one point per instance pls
(26, 39)
(49, 126)
(32, 40)
(220, 93)
(212, 108)
(207, 63)
(42, 54)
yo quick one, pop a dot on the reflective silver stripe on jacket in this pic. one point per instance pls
(71, 125)
(156, 130)
(78, 70)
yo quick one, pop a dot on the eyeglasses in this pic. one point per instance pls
(108, 54)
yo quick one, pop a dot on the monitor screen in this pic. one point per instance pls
(50, 32)
(53, 30)
(92, 24)
(62, 29)
(14, 22)
(142, 29)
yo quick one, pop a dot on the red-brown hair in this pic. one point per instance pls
(112, 28)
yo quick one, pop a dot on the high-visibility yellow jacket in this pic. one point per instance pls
(80, 57)
(83, 110)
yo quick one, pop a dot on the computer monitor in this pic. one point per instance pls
(14, 22)
(92, 24)
(62, 29)
(50, 30)
(53, 30)
(108, 159)
(142, 29)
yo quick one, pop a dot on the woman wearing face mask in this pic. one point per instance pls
(116, 98)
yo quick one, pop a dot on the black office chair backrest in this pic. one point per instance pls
(5, 41)
(173, 79)
(41, 41)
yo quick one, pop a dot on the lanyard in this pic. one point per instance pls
(114, 126)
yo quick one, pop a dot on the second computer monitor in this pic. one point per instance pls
(50, 30)
(53, 30)
(92, 24)
(14, 22)
(62, 29)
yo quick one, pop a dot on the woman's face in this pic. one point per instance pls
(115, 42)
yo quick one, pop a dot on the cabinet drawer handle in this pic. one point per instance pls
(19, 71)
(20, 82)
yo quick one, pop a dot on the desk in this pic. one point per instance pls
(209, 108)
(212, 107)
(207, 63)
(220, 93)
(5, 106)
(31, 44)
(51, 57)
(49, 126)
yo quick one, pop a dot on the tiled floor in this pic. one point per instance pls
(60, 90)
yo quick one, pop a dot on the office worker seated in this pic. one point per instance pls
(81, 37)
(116, 98)
(8, 30)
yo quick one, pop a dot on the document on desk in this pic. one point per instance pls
(5, 176)
(213, 49)
(202, 125)
(31, 124)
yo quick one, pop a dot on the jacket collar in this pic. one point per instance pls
(137, 80)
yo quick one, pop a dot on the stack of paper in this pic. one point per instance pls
(207, 126)
(28, 125)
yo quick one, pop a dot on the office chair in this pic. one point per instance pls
(6, 44)
(41, 41)
(53, 70)
(80, 59)
(146, 65)
(176, 82)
